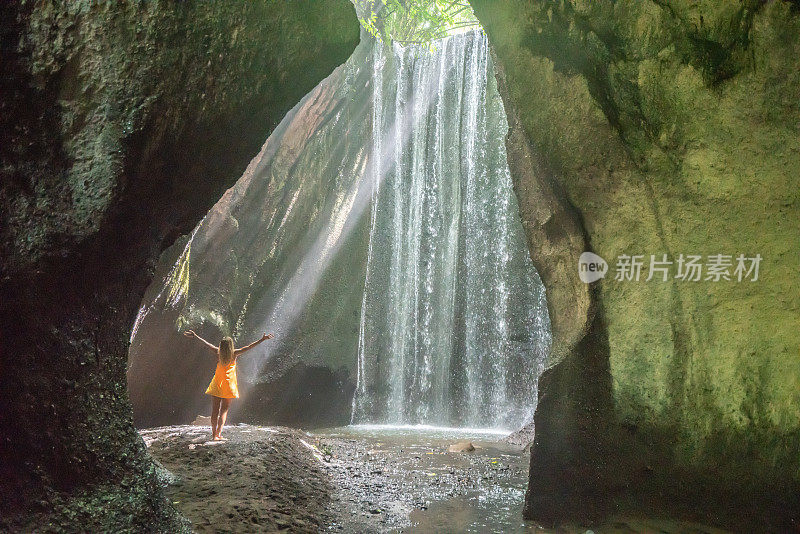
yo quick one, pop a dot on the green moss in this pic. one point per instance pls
(673, 128)
(119, 70)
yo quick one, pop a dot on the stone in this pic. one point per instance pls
(461, 446)
(202, 420)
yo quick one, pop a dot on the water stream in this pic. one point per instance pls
(454, 327)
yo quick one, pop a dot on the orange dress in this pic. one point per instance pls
(224, 383)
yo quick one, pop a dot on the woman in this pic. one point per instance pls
(224, 386)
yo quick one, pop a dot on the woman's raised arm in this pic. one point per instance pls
(264, 337)
(191, 333)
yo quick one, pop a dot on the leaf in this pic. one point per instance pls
(414, 21)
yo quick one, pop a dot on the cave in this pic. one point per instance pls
(404, 193)
(377, 236)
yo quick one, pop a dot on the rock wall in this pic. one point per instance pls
(283, 251)
(120, 125)
(672, 128)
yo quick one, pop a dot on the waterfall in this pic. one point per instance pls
(454, 328)
(376, 234)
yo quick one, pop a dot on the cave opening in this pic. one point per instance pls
(377, 235)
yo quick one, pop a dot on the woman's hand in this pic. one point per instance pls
(189, 333)
(264, 337)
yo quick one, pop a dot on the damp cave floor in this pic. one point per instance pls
(272, 479)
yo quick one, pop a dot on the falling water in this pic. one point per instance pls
(377, 233)
(454, 327)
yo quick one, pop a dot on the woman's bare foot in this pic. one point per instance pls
(220, 438)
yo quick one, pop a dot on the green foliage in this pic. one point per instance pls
(415, 21)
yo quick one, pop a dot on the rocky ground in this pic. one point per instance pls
(260, 479)
(267, 479)
(276, 478)
(422, 482)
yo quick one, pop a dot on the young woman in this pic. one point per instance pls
(223, 386)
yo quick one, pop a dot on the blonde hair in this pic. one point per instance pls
(226, 350)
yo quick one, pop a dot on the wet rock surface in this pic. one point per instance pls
(259, 479)
(275, 478)
(403, 483)
(346, 480)
(667, 128)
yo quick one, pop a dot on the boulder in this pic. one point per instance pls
(202, 420)
(461, 446)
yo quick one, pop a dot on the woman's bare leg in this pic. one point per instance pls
(215, 403)
(223, 414)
